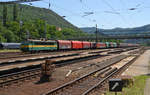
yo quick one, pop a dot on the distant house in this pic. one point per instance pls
(58, 28)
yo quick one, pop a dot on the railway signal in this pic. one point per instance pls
(115, 85)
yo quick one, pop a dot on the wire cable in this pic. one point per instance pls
(122, 17)
(125, 7)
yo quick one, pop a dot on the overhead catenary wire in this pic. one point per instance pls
(113, 9)
(95, 12)
(49, 4)
(125, 7)
(110, 12)
(71, 12)
(85, 5)
(116, 12)
(81, 15)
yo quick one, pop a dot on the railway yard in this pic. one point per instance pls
(75, 72)
(50, 47)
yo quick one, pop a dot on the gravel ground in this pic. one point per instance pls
(140, 66)
(48, 55)
(59, 77)
(122, 62)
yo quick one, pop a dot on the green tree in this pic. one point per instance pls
(14, 27)
(15, 12)
(4, 14)
(69, 33)
(51, 30)
(2, 39)
(9, 36)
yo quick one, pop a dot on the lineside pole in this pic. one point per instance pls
(45, 31)
(96, 33)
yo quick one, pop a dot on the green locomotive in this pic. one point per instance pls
(38, 45)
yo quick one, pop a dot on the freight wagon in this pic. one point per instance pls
(101, 45)
(10, 45)
(76, 44)
(64, 44)
(86, 45)
(93, 45)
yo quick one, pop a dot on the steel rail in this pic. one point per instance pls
(124, 67)
(58, 63)
(8, 76)
(6, 79)
(54, 91)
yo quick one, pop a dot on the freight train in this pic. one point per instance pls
(53, 45)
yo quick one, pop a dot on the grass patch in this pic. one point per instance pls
(136, 89)
(9, 50)
(149, 66)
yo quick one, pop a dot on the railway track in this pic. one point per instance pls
(20, 54)
(9, 79)
(87, 83)
(21, 61)
(7, 54)
(113, 74)
(10, 55)
(57, 63)
(37, 61)
(17, 61)
(30, 73)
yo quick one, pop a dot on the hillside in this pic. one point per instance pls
(32, 13)
(120, 31)
(123, 31)
(33, 26)
(91, 30)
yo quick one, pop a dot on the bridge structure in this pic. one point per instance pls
(117, 37)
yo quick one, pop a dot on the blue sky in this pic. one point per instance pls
(107, 13)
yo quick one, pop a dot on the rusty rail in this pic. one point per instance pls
(60, 88)
(10, 78)
(120, 70)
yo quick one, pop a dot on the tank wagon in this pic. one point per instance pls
(52, 45)
(10, 45)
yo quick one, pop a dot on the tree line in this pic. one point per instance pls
(13, 31)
